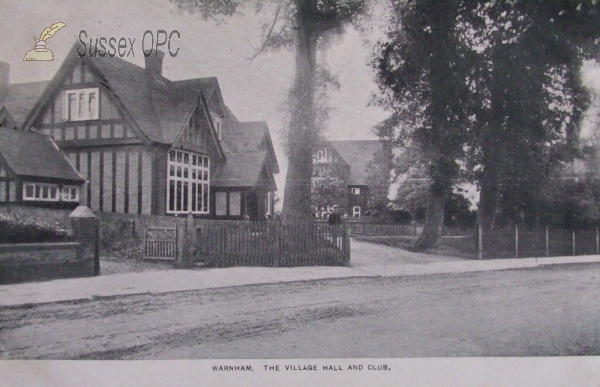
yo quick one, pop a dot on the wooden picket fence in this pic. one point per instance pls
(226, 244)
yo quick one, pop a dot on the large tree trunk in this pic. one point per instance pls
(488, 199)
(434, 220)
(302, 131)
(491, 141)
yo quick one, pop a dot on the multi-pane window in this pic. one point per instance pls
(40, 192)
(81, 104)
(188, 183)
(218, 125)
(268, 203)
(321, 155)
(70, 193)
(356, 211)
(355, 191)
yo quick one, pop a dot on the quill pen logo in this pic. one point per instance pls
(40, 52)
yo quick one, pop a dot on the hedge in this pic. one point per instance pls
(13, 229)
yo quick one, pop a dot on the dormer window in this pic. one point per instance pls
(321, 155)
(218, 125)
(81, 105)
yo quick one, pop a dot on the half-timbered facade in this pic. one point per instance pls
(148, 145)
(348, 161)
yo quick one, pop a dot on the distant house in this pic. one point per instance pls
(148, 145)
(33, 171)
(348, 161)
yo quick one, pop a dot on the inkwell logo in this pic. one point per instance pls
(40, 52)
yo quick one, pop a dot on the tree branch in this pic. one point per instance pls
(268, 37)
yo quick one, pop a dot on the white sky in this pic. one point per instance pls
(254, 91)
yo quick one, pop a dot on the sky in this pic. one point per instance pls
(254, 90)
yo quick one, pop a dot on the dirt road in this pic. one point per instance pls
(534, 312)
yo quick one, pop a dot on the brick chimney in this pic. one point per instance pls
(154, 64)
(4, 71)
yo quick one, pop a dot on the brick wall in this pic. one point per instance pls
(43, 261)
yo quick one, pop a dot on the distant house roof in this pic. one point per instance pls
(32, 155)
(21, 98)
(241, 170)
(357, 155)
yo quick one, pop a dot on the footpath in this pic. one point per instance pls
(367, 260)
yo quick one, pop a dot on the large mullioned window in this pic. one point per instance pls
(188, 183)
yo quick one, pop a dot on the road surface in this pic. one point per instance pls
(553, 310)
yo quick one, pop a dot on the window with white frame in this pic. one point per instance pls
(70, 193)
(218, 125)
(321, 155)
(269, 203)
(356, 211)
(188, 183)
(40, 192)
(355, 191)
(81, 104)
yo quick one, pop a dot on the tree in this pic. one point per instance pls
(304, 25)
(513, 92)
(526, 79)
(420, 66)
(329, 190)
(378, 180)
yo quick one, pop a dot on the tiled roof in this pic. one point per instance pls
(21, 98)
(357, 155)
(245, 136)
(35, 155)
(240, 170)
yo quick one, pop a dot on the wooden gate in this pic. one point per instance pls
(160, 243)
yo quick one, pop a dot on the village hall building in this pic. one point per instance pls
(143, 144)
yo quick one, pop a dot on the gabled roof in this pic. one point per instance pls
(245, 136)
(357, 155)
(248, 137)
(32, 155)
(241, 170)
(158, 106)
(21, 98)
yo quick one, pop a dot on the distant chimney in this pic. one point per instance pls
(4, 70)
(154, 64)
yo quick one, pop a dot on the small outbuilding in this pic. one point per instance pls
(34, 171)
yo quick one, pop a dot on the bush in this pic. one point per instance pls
(13, 229)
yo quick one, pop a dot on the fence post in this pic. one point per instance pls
(346, 242)
(516, 241)
(480, 243)
(180, 244)
(573, 242)
(547, 248)
(597, 240)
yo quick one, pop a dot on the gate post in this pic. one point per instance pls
(87, 232)
(480, 242)
(185, 243)
(346, 241)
